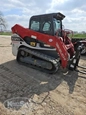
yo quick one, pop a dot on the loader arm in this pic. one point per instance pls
(53, 41)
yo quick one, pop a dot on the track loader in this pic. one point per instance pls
(45, 45)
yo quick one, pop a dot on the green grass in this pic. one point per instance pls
(76, 36)
(6, 33)
(79, 36)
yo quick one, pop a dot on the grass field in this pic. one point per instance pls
(76, 36)
(79, 35)
(5, 33)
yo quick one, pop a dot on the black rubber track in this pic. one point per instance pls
(49, 59)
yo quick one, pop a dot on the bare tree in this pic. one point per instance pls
(3, 24)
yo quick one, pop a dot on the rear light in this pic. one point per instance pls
(16, 37)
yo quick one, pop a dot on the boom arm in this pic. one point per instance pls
(53, 41)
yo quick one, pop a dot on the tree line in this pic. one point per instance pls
(3, 23)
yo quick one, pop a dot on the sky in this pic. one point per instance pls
(20, 11)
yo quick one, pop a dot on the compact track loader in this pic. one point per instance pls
(45, 45)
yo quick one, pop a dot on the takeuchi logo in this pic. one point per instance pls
(61, 53)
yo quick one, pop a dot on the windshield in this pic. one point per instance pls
(57, 25)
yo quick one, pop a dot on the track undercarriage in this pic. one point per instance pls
(37, 60)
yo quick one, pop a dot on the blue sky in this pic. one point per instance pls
(20, 11)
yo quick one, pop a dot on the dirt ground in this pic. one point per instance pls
(50, 94)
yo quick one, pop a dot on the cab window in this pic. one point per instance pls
(57, 25)
(46, 26)
(35, 25)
